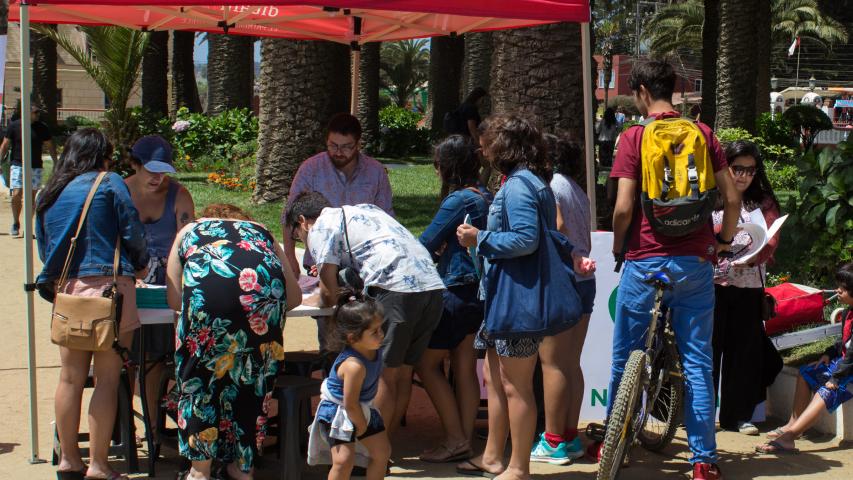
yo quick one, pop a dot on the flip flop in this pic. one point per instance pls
(71, 475)
(775, 448)
(475, 471)
(450, 456)
(775, 433)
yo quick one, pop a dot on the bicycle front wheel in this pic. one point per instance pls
(662, 405)
(620, 426)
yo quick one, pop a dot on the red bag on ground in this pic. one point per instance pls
(795, 305)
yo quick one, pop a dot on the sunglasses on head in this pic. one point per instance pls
(740, 171)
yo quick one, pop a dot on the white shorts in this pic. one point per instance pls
(16, 172)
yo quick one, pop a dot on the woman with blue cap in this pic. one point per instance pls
(165, 206)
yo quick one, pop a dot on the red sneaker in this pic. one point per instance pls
(593, 451)
(707, 471)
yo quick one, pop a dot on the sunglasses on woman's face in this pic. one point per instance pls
(740, 171)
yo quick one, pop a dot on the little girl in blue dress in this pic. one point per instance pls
(347, 429)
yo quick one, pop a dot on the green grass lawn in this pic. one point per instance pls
(415, 189)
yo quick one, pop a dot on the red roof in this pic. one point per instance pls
(335, 20)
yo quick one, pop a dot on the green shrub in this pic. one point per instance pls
(772, 152)
(400, 135)
(75, 122)
(202, 141)
(823, 220)
(776, 130)
(782, 176)
(149, 123)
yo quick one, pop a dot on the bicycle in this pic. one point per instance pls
(647, 406)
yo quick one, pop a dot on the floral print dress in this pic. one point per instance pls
(228, 340)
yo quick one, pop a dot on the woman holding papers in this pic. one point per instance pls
(743, 354)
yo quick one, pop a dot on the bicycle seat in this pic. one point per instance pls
(659, 279)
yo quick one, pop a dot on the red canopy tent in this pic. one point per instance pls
(352, 22)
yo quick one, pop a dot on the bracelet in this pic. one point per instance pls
(720, 239)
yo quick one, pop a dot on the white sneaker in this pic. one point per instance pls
(747, 428)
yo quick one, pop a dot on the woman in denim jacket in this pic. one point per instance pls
(514, 146)
(111, 215)
(457, 163)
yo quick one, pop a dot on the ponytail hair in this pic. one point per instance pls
(353, 316)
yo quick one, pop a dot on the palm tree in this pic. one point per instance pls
(45, 93)
(710, 43)
(679, 25)
(230, 72)
(184, 88)
(803, 18)
(113, 57)
(445, 79)
(302, 84)
(477, 66)
(155, 74)
(368, 97)
(404, 67)
(737, 65)
(536, 71)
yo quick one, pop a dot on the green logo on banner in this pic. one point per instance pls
(611, 304)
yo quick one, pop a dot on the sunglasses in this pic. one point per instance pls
(740, 171)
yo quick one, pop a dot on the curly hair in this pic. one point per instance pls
(510, 141)
(457, 162)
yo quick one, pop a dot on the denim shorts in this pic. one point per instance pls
(586, 290)
(816, 377)
(16, 177)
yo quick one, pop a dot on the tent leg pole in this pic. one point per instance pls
(589, 151)
(26, 133)
(355, 79)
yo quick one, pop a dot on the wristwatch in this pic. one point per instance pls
(724, 242)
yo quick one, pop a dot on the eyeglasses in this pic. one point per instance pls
(345, 149)
(740, 171)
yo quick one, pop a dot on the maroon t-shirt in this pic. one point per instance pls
(643, 241)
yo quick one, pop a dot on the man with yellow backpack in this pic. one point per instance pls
(670, 172)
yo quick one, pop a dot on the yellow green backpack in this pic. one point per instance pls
(679, 190)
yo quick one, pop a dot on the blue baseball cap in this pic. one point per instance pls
(154, 153)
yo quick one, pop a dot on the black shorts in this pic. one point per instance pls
(461, 316)
(410, 319)
(374, 426)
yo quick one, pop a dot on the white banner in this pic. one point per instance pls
(595, 359)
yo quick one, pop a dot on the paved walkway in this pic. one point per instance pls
(822, 457)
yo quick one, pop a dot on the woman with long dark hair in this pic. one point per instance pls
(606, 132)
(458, 164)
(748, 361)
(111, 215)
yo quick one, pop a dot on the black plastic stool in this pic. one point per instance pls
(294, 404)
(124, 438)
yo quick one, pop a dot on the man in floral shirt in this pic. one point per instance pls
(396, 270)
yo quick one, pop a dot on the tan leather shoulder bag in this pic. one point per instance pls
(86, 323)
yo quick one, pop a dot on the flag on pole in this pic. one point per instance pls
(793, 47)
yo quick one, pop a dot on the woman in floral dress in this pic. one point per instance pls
(227, 276)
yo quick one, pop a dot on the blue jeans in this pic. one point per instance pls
(692, 303)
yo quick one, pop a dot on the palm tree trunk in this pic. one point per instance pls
(763, 44)
(478, 66)
(368, 96)
(302, 84)
(445, 79)
(230, 72)
(710, 42)
(737, 65)
(44, 76)
(537, 72)
(155, 75)
(184, 88)
(608, 74)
